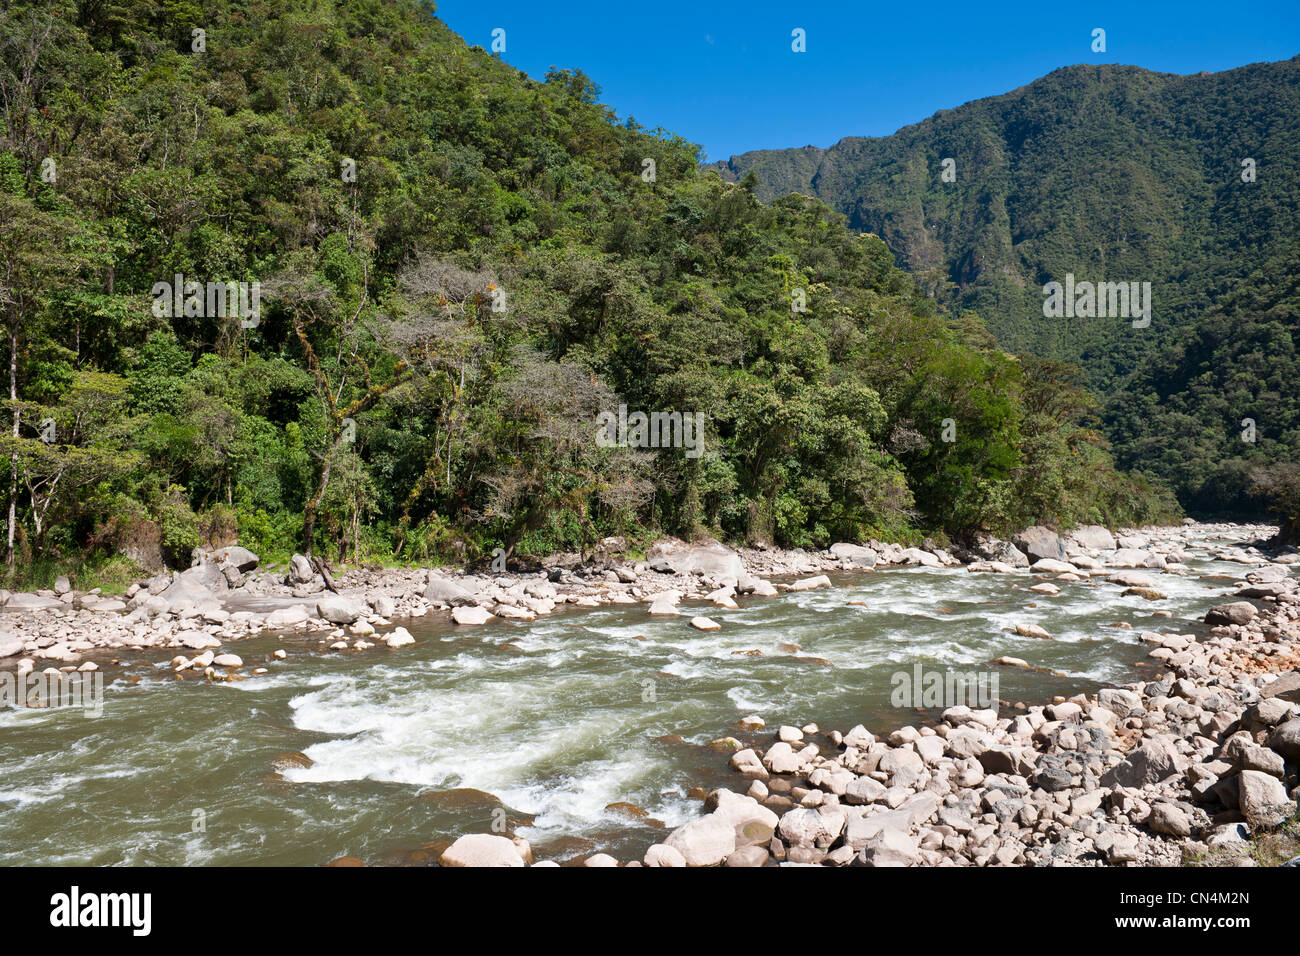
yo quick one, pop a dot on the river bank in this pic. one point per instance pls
(1082, 584)
(226, 597)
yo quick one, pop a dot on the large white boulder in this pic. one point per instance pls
(1094, 537)
(482, 849)
(706, 557)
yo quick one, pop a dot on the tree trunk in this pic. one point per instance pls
(13, 463)
(309, 510)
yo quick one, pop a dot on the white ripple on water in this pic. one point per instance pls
(542, 747)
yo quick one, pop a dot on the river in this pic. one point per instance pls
(555, 719)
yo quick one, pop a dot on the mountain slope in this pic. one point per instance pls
(1109, 173)
(1221, 404)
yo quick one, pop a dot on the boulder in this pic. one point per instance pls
(1039, 542)
(445, 591)
(1119, 702)
(1271, 711)
(1285, 739)
(197, 640)
(10, 644)
(300, 570)
(997, 551)
(189, 588)
(1262, 799)
(1170, 820)
(1252, 756)
(1094, 537)
(917, 556)
(663, 855)
(31, 602)
(708, 557)
(1286, 687)
(400, 637)
(1131, 579)
(863, 790)
(241, 559)
(808, 584)
(890, 847)
(1150, 763)
(748, 856)
(1269, 574)
(805, 827)
(782, 758)
(338, 610)
(204, 574)
(856, 553)
(1052, 566)
(1007, 553)
(753, 823)
(1032, 630)
(288, 616)
(706, 841)
(1239, 612)
(470, 615)
(1134, 558)
(482, 849)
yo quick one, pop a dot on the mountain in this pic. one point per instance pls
(1106, 173)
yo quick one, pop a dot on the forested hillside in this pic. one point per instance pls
(1109, 173)
(1217, 413)
(458, 270)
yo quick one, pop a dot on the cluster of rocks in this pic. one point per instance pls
(224, 596)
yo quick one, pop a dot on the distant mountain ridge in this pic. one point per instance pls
(1102, 172)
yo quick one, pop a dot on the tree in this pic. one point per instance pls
(544, 423)
(86, 445)
(440, 322)
(35, 259)
(344, 381)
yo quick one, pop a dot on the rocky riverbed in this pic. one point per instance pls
(1154, 772)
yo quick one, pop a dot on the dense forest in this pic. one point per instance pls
(1217, 413)
(1110, 173)
(454, 270)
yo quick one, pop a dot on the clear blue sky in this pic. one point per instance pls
(724, 76)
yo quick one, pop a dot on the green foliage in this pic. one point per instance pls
(1221, 405)
(388, 404)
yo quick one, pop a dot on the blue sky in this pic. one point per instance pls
(724, 76)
